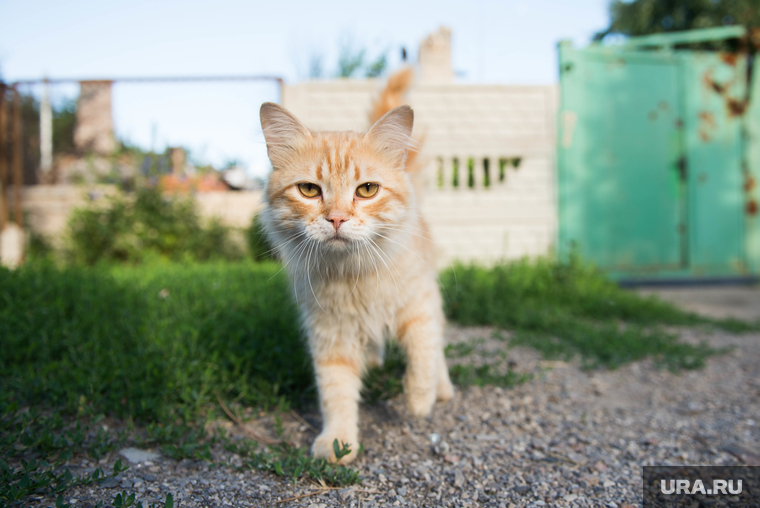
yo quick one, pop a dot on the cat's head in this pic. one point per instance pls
(337, 190)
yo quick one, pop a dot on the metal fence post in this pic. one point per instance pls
(3, 159)
(18, 160)
(46, 129)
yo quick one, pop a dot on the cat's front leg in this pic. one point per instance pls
(421, 336)
(338, 373)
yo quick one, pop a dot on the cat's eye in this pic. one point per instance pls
(309, 190)
(367, 190)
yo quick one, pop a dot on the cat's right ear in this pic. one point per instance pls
(283, 132)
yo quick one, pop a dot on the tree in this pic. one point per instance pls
(641, 17)
(352, 62)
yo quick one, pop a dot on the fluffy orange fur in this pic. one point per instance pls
(342, 214)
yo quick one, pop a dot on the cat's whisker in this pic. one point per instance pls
(405, 230)
(383, 253)
(308, 274)
(412, 224)
(294, 258)
(377, 247)
(292, 261)
(355, 246)
(420, 258)
(377, 272)
(295, 252)
(281, 248)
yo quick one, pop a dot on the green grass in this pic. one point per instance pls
(149, 344)
(564, 310)
(153, 345)
(152, 342)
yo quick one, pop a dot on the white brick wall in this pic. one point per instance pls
(507, 220)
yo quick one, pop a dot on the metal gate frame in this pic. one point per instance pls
(712, 246)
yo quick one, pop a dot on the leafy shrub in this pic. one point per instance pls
(130, 229)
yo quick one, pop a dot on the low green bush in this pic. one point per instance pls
(147, 225)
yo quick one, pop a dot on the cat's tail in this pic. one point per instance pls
(393, 96)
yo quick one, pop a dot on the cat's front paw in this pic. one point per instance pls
(444, 390)
(324, 448)
(420, 403)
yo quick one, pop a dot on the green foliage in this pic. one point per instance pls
(352, 60)
(377, 67)
(155, 344)
(64, 117)
(642, 17)
(486, 374)
(152, 342)
(39, 446)
(384, 381)
(569, 308)
(64, 121)
(493, 368)
(259, 248)
(147, 225)
(125, 500)
(293, 463)
(30, 134)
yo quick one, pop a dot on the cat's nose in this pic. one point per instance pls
(337, 218)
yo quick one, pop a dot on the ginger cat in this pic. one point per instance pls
(341, 212)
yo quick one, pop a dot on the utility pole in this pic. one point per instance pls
(46, 129)
(18, 160)
(3, 159)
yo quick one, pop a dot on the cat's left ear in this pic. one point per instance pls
(392, 134)
(283, 132)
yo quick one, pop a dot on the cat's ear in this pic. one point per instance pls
(392, 134)
(283, 132)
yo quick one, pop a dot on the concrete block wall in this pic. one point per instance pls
(462, 125)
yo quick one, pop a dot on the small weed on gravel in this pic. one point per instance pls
(293, 463)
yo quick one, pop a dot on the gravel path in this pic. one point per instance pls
(564, 438)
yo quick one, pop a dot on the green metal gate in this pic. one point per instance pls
(655, 158)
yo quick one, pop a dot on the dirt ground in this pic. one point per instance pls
(740, 302)
(566, 437)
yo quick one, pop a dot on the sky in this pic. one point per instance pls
(494, 42)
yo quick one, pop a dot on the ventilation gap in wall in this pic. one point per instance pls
(503, 169)
(439, 173)
(470, 173)
(455, 172)
(486, 170)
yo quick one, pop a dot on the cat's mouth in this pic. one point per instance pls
(337, 240)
